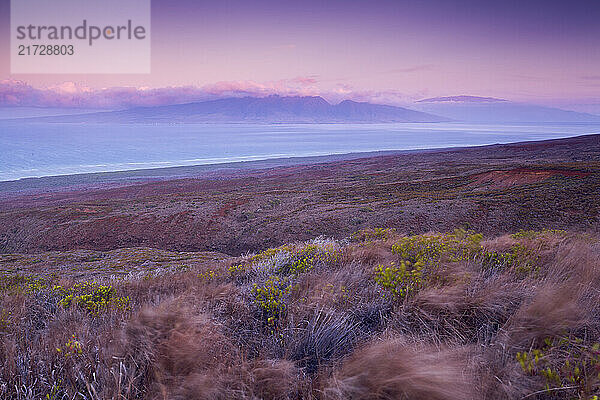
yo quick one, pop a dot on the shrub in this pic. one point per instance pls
(72, 348)
(236, 270)
(564, 363)
(400, 280)
(523, 234)
(270, 298)
(316, 320)
(432, 249)
(29, 284)
(91, 297)
(269, 253)
(520, 259)
(208, 276)
(370, 235)
(307, 257)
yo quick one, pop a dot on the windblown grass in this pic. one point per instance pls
(377, 316)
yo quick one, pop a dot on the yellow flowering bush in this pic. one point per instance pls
(22, 283)
(208, 276)
(306, 258)
(91, 296)
(431, 249)
(270, 298)
(399, 280)
(269, 253)
(520, 259)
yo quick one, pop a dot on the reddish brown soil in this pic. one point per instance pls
(520, 176)
(493, 189)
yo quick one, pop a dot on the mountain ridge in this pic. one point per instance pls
(475, 109)
(270, 109)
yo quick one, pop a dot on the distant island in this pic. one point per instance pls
(270, 109)
(492, 110)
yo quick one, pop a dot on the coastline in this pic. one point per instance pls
(226, 170)
(234, 209)
(97, 180)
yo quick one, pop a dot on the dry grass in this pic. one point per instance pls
(397, 369)
(487, 324)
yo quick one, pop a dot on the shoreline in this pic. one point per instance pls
(225, 170)
(245, 207)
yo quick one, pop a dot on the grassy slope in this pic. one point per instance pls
(373, 315)
(493, 190)
(378, 315)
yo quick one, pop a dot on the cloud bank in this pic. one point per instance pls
(15, 93)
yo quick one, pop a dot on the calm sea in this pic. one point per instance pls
(44, 149)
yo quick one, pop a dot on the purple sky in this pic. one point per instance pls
(539, 51)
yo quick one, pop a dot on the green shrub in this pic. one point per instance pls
(91, 297)
(432, 249)
(520, 259)
(209, 275)
(492, 260)
(565, 364)
(237, 270)
(306, 258)
(270, 298)
(22, 283)
(399, 280)
(523, 234)
(269, 253)
(72, 348)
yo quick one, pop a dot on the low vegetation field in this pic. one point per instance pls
(378, 315)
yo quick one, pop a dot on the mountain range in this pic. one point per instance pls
(271, 109)
(492, 110)
(314, 109)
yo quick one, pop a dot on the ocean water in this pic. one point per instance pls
(30, 149)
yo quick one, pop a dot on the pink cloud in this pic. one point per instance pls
(73, 95)
(305, 80)
(69, 94)
(299, 86)
(415, 68)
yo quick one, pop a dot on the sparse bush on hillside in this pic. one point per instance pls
(432, 249)
(370, 235)
(520, 259)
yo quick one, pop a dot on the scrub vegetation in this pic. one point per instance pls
(378, 315)
(445, 275)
